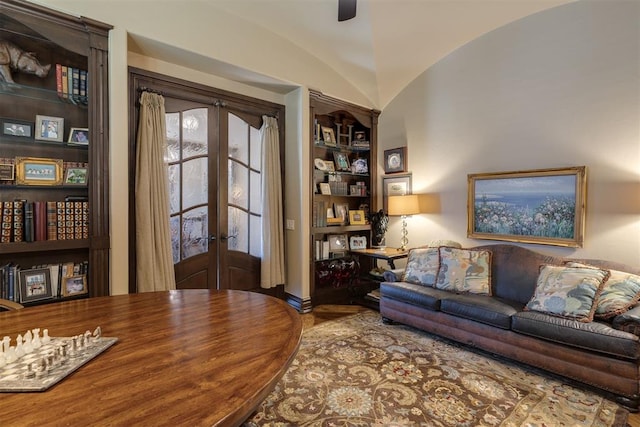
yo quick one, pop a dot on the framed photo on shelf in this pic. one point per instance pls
(38, 171)
(342, 161)
(78, 136)
(331, 167)
(341, 211)
(19, 128)
(338, 243)
(357, 217)
(325, 188)
(360, 165)
(358, 242)
(75, 176)
(74, 285)
(328, 136)
(544, 206)
(35, 284)
(395, 185)
(360, 139)
(49, 128)
(395, 160)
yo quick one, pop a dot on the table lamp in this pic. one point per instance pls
(404, 206)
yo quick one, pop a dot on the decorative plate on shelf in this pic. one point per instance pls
(320, 165)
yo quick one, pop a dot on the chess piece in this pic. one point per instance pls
(37, 343)
(45, 337)
(28, 344)
(6, 342)
(3, 361)
(10, 355)
(97, 333)
(19, 347)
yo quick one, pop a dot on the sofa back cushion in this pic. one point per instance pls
(569, 292)
(422, 266)
(464, 270)
(514, 270)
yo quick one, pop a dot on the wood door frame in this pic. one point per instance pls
(140, 79)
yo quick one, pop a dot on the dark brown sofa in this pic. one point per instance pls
(605, 355)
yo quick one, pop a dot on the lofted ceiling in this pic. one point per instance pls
(390, 42)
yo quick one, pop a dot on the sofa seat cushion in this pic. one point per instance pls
(411, 293)
(595, 336)
(490, 310)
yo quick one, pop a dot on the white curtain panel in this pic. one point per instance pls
(154, 262)
(272, 265)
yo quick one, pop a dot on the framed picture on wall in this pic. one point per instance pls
(395, 160)
(395, 185)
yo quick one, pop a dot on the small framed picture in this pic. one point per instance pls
(74, 285)
(331, 167)
(395, 160)
(341, 211)
(7, 172)
(325, 188)
(75, 176)
(12, 127)
(358, 242)
(35, 285)
(342, 161)
(338, 243)
(328, 136)
(49, 128)
(395, 185)
(78, 136)
(357, 218)
(360, 165)
(38, 171)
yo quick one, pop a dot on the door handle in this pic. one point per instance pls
(211, 237)
(224, 237)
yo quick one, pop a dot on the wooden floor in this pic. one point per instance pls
(322, 313)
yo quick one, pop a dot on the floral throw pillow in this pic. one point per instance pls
(570, 292)
(620, 292)
(464, 270)
(422, 266)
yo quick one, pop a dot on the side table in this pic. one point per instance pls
(390, 255)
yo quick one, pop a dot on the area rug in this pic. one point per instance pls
(357, 371)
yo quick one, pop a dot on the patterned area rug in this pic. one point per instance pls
(356, 371)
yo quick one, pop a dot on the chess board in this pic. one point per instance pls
(14, 378)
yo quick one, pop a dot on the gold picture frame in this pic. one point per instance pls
(544, 206)
(74, 285)
(38, 171)
(356, 217)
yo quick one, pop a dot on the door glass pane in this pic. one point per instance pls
(173, 137)
(256, 149)
(238, 227)
(174, 224)
(195, 182)
(238, 139)
(238, 184)
(256, 199)
(174, 189)
(194, 232)
(194, 130)
(255, 227)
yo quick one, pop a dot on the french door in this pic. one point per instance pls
(214, 164)
(213, 159)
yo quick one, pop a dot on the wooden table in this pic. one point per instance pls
(190, 357)
(385, 254)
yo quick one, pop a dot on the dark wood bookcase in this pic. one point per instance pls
(82, 44)
(354, 138)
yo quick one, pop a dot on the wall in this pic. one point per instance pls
(558, 88)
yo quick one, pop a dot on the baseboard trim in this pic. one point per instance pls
(302, 305)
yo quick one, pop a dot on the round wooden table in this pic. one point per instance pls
(190, 357)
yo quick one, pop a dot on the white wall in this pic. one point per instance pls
(558, 88)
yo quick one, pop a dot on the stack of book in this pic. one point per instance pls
(71, 84)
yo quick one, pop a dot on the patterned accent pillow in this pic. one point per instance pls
(570, 292)
(619, 293)
(464, 270)
(422, 266)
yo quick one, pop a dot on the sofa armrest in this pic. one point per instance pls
(393, 275)
(628, 321)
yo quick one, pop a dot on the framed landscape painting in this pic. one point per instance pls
(545, 206)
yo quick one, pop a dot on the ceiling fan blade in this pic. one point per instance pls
(346, 10)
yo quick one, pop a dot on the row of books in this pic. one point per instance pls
(25, 221)
(42, 281)
(71, 84)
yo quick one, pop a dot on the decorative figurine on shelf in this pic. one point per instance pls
(14, 58)
(379, 224)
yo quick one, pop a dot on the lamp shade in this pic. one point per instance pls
(404, 205)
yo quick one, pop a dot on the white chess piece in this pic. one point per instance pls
(19, 347)
(45, 337)
(3, 361)
(27, 344)
(36, 338)
(6, 342)
(10, 355)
